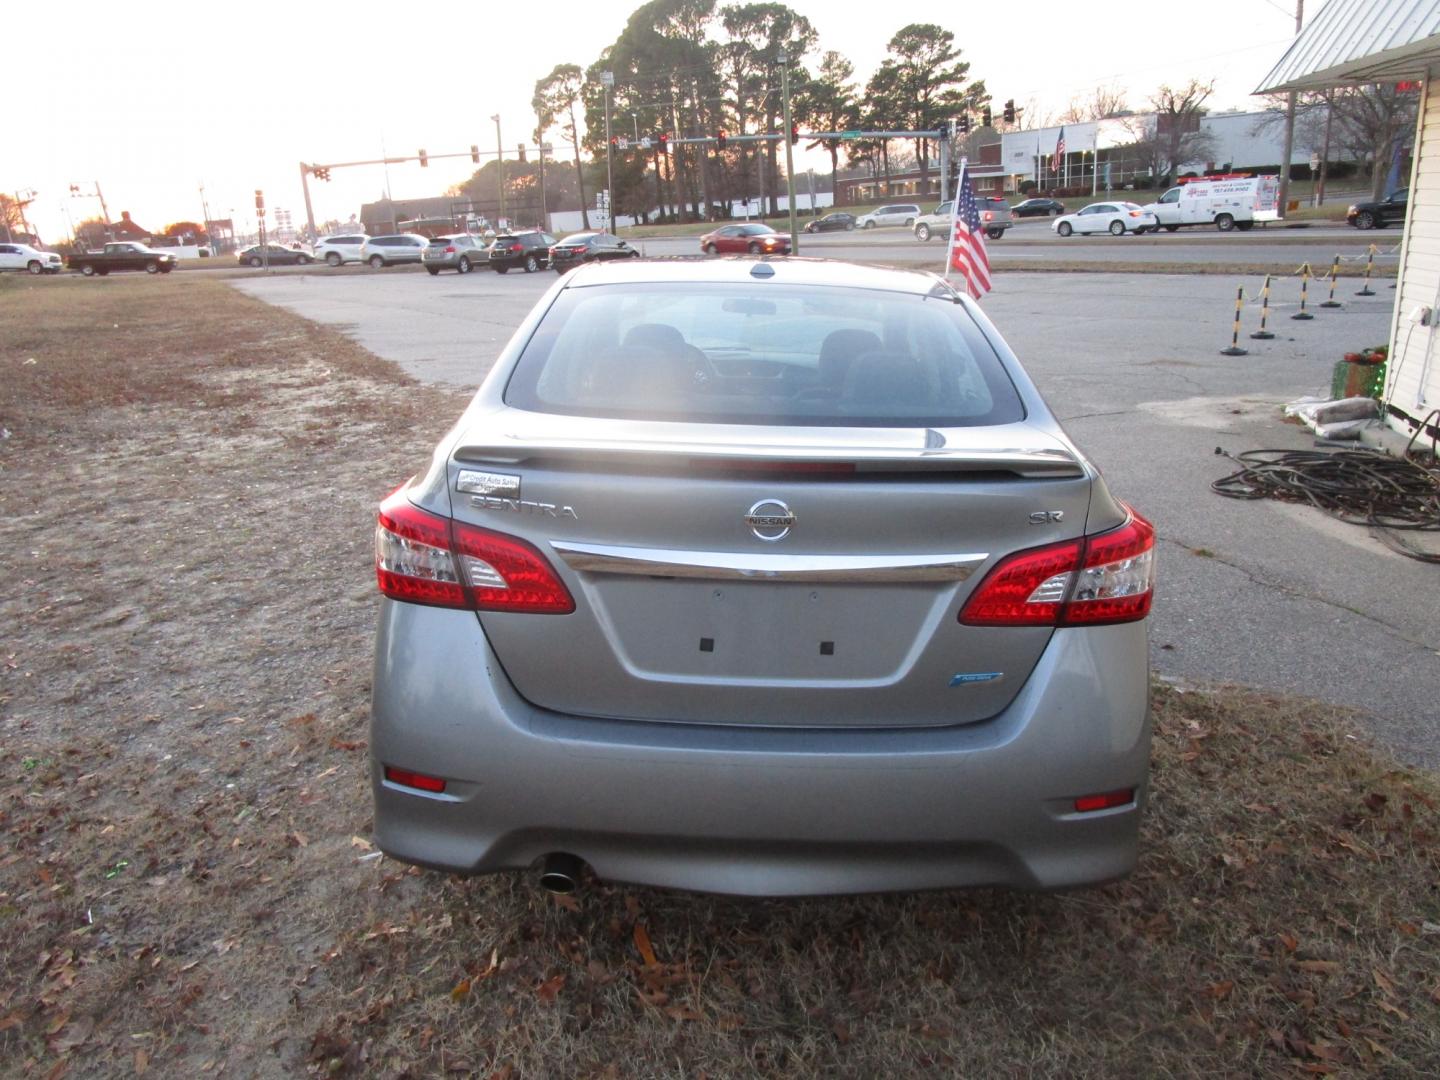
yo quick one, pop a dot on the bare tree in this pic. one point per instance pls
(1176, 131)
(1102, 103)
(1370, 122)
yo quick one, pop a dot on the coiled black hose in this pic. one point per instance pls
(1392, 495)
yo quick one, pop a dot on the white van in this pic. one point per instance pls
(1227, 204)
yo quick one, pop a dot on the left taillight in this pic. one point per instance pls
(424, 558)
(1097, 580)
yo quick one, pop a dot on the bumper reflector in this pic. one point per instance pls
(1107, 801)
(419, 781)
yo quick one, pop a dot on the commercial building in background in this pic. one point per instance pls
(1359, 42)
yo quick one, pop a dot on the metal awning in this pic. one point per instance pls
(1360, 41)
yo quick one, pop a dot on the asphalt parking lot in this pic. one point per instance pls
(1273, 596)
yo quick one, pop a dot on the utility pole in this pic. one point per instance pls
(500, 159)
(205, 206)
(1289, 125)
(607, 79)
(789, 149)
(544, 205)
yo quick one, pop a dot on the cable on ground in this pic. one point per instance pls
(1392, 495)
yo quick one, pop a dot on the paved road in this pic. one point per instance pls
(1257, 593)
(1032, 240)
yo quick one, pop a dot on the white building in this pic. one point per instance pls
(1355, 42)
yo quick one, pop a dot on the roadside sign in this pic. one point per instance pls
(645, 142)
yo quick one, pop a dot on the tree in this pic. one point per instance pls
(1370, 122)
(12, 216)
(187, 228)
(927, 83)
(1176, 135)
(556, 96)
(828, 103)
(1102, 103)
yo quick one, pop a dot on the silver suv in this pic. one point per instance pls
(381, 251)
(336, 250)
(995, 218)
(461, 252)
(761, 578)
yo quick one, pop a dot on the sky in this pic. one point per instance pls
(155, 100)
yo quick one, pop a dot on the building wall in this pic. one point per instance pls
(1412, 382)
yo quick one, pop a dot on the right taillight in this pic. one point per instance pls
(424, 558)
(1105, 578)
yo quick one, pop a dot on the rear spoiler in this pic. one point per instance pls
(1032, 462)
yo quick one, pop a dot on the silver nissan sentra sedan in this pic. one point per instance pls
(764, 578)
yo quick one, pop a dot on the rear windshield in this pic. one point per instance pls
(782, 354)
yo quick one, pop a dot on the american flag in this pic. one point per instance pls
(1059, 155)
(967, 241)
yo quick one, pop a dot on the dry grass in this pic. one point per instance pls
(186, 882)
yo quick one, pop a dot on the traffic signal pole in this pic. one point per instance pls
(789, 151)
(309, 212)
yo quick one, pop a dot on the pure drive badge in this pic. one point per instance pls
(488, 483)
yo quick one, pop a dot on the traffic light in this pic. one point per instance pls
(1010, 111)
(965, 124)
(943, 128)
(520, 149)
(475, 154)
(322, 172)
(794, 134)
(720, 140)
(664, 142)
(424, 160)
(259, 201)
(989, 120)
(614, 142)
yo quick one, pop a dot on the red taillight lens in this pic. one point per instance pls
(1135, 213)
(450, 250)
(1107, 801)
(423, 558)
(1107, 578)
(516, 247)
(989, 215)
(419, 781)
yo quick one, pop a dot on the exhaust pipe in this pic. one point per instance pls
(561, 872)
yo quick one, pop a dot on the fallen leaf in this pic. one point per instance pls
(1221, 990)
(1385, 1006)
(13, 1020)
(61, 1068)
(299, 839)
(460, 989)
(57, 1023)
(1385, 983)
(1318, 967)
(550, 989)
(74, 1035)
(142, 1062)
(683, 1012)
(1290, 941)
(361, 843)
(642, 943)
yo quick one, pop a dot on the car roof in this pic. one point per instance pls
(738, 270)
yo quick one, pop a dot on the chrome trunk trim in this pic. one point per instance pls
(753, 566)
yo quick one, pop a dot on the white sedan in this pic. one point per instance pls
(1116, 218)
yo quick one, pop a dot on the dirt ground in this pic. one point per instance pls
(188, 887)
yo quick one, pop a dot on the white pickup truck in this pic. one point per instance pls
(995, 217)
(1236, 203)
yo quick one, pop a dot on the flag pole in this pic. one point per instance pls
(954, 217)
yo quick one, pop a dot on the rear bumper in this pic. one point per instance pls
(759, 811)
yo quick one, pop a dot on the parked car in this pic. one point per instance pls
(120, 256)
(898, 214)
(1038, 208)
(1116, 218)
(751, 237)
(461, 252)
(1376, 215)
(382, 251)
(630, 619)
(31, 259)
(336, 250)
(528, 250)
(275, 255)
(994, 217)
(831, 223)
(586, 247)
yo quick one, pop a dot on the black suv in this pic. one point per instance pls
(1376, 215)
(528, 250)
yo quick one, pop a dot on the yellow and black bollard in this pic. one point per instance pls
(1304, 293)
(1234, 349)
(1334, 273)
(1262, 334)
(1369, 266)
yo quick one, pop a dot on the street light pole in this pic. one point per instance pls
(500, 159)
(607, 78)
(1289, 150)
(789, 150)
